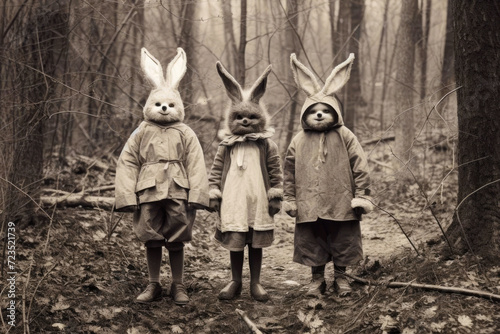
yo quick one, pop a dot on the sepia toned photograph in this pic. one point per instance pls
(238, 166)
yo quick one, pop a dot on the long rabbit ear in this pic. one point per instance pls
(233, 88)
(176, 69)
(339, 76)
(152, 68)
(259, 87)
(304, 78)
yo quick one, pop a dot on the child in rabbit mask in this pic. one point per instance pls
(326, 181)
(161, 175)
(246, 183)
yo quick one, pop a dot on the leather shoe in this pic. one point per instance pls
(316, 287)
(342, 286)
(152, 293)
(230, 291)
(179, 293)
(258, 293)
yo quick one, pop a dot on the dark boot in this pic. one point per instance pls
(258, 293)
(233, 289)
(230, 291)
(255, 262)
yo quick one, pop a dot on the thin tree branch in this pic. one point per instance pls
(27, 195)
(476, 293)
(399, 224)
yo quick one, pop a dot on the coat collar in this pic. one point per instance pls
(230, 140)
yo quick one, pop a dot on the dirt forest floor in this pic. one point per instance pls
(79, 273)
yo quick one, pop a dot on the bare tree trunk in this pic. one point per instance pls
(333, 28)
(186, 42)
(476, 225)
(92, 107)
(138, 39)
(388, 64)
(354, 97)
(292, 45)
(43, 38)
(340, 39)
(342, 31)
(377, 60)
(447, 70)
(229, 34)
(422, 36)
(241, 67)
(404, 90)
(346, 40)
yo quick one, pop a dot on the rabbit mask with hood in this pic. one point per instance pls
(325, 95)
(164, 104)
(328, 152)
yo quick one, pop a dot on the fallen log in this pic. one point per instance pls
(85, 191)
(377, 140)
(94, 163)
(74, 200)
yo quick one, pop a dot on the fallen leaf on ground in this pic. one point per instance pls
(176, 329)
(59, 326)
(465, 321)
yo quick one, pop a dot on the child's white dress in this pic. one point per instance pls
(244, 199)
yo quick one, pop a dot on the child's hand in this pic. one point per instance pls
(195, 206)
(290, 208)
(361, 206)
(274, 206)
(130, 208)
(358, 211)
(214, 205)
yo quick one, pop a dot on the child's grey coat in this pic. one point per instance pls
(324, 171)
(160, 162)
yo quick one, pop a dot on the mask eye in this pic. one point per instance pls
(171, 105)
(157, 104)
(239, 117)
(253, 117)
(326, 111)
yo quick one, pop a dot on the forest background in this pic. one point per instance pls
(72, 92)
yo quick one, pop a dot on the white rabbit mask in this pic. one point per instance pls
(306, 80)
(246, 114)
(164, 104)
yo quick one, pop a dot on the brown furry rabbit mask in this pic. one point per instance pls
(164, 104)
(247, 114)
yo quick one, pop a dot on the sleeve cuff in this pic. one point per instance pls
(360, 202)
(289, 206)
(199, 197)
(215, 193)
(275, 193)
(125, 200)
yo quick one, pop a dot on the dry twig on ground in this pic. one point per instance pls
(250, 323)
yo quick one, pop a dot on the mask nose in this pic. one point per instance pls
(164, 108)
(319, 115)
(245, 121)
